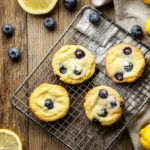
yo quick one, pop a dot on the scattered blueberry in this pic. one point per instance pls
(76, 72)
(79, 53)
(49, 104)
(14, 53)
(70, 4)
(129, 67)
(63, 70)
(103, 94)
(8, 29)
(104, 114)
(49, 23)
(94, 17)
(127, 51)
(95, 121)
(119, 76)
(122, 105)
(137, 31)
(113, 104)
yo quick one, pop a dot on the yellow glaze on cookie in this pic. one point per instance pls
(94, 104)
(57, 94)
(66, 57)
(147, 27)
(116, 60)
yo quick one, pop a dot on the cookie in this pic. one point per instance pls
(103, 105)
(49, 102)
(73, 64)
(124, 63)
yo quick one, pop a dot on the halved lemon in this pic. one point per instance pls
(37, 7)
(9, 140)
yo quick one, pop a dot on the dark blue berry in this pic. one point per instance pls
(113, 104)
(119, 76)
(79, 53)
(137, 31)
(129, 67)
(8, 29)
(103, 94)
(94, 17)
(49, 23)
(49, 104)
(121, 105)
(70, 4)
(63, 70)
(76, 72)
(104, 113)
(95, 121)
(14, 53)
(127, 51)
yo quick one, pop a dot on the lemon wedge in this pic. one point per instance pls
(37, 7)
(9, 140)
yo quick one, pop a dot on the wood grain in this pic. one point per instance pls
(34, 41)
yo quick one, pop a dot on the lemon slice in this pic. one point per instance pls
(37, 7)
(9, 140)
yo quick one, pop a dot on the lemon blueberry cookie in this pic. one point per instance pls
(49, 102)
(103, 105)
(124, 63)
(73, 64)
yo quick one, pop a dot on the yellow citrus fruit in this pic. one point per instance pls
(9, 140)
(37, 7)
(147, 2)
(147, 27)
(145, 137)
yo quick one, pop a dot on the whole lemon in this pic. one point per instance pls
(147, 2)
(145, 137)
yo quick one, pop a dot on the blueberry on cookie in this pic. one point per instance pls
(49, 102)
(73, 64)
(124, 63)
(103, 105)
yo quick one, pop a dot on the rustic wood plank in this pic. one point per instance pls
(12, 73)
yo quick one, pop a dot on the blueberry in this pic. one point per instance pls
(104, 113)
(95, 121)
(121, 105)
(137, 31)
(94, 17)
(70, 4)
(113, 104)
(119, 76)
(49, 104)
(14, 53)
(76, 72)
(49, 23)
(8, 29)
(79, 53)
(63, 70)
(127, 51)
(129, 67)
(103, 94)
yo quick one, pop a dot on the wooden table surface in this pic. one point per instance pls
(34, 40)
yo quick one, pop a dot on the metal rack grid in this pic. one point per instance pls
(75, 130)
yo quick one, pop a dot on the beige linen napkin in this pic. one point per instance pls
(129, 13)
(105, 36)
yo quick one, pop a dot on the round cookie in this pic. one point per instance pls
(73, 64)
(49, 102)
(103, 105)
(124, 63)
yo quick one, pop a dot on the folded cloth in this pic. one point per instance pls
(99, 39)
(129, 13)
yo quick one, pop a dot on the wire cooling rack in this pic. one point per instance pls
(75, 130)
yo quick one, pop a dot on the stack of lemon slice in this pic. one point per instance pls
(37, 7)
